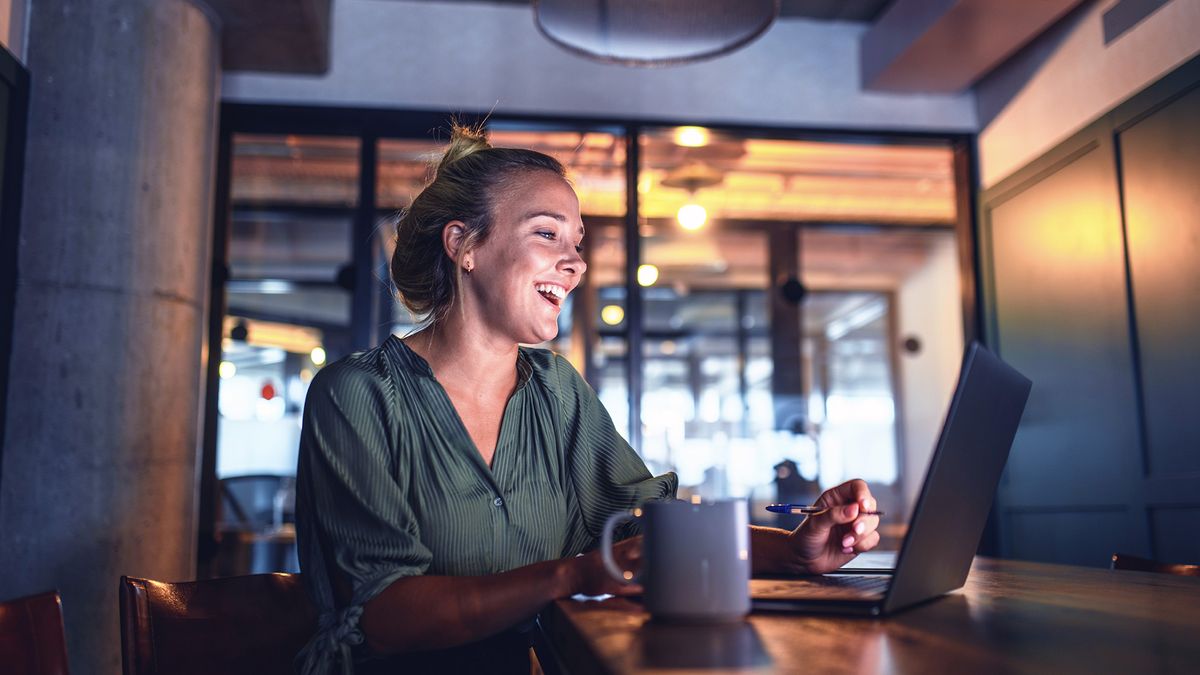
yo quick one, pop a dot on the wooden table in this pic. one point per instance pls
(1010, 617)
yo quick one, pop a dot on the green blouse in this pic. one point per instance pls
(390, 484)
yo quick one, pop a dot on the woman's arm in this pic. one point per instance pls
(821, 543)
(433, 612)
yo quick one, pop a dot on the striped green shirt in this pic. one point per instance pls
(390, 484)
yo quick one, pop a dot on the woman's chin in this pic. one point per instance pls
(542, 335)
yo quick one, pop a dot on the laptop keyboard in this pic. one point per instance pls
(829, 587)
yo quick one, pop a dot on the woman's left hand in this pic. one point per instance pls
(827, 541)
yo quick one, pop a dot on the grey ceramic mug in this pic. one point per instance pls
(695, 559)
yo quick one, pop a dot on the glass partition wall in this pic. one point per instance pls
(771, 330)
(288, 310)
(758, 307)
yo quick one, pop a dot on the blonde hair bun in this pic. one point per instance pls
(464, 140)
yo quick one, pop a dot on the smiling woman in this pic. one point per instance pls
(516, 278)
(470, 179)
(449, 480)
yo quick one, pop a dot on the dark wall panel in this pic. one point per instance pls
(1175, 534)
(1074, 538)
(1090, 264)
(1160, 157)
(1059, 310)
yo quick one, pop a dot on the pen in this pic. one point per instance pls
(805, 510)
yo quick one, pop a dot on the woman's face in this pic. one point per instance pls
(530, 262)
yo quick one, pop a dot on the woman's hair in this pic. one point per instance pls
(465, 186)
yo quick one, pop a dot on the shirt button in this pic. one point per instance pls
(497, 502)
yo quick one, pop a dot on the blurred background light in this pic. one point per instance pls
(647, 275)
(612, 314)
(691, 137)
(691, 217)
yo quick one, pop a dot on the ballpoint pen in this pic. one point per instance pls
(806, 510)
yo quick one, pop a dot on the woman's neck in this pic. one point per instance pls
(464, 357)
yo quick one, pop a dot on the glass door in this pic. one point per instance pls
(773, 276)
(289, 298)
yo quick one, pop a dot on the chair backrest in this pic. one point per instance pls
(251, 624)
(1123, 561)
(32, 639)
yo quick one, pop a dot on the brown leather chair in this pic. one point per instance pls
(32, 639)
(1122, 561)
(252, 624)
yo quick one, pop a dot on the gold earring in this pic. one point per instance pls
(469, 267)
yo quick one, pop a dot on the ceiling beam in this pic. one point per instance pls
(944, 46)
(277, 36)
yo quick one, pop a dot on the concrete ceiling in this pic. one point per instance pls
(827, 10)
(915, 46)
(923, 46)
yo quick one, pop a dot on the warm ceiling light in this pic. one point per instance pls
(647, 275)
(226, 370)
(317, 355)
(667, 347)
(691, 137)
(691, 217)
(612, 314)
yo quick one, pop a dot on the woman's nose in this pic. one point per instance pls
(572, 263)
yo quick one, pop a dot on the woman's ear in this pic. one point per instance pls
(452, 241)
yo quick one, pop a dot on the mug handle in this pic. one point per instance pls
(606, 542)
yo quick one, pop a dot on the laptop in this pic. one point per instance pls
(948, 519)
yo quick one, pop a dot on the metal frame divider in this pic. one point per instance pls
(364, 318)
(634, 307)
(206, 529)
(16, 76)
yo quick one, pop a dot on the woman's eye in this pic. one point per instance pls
(546, 233)
(579, 248)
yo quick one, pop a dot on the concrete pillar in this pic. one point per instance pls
(100, 457)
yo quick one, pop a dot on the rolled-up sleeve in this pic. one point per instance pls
(355, 527)
(606, 474)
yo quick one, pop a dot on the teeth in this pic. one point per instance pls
(555, 290)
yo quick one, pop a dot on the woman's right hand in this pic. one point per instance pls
(591, 577)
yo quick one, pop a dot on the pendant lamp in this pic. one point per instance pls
(653, 32)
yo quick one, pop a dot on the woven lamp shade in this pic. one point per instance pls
(653, 32)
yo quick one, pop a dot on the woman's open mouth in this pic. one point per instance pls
(551, 293)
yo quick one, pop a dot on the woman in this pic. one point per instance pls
(448, 481)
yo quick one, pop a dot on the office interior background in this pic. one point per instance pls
(788, 248)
